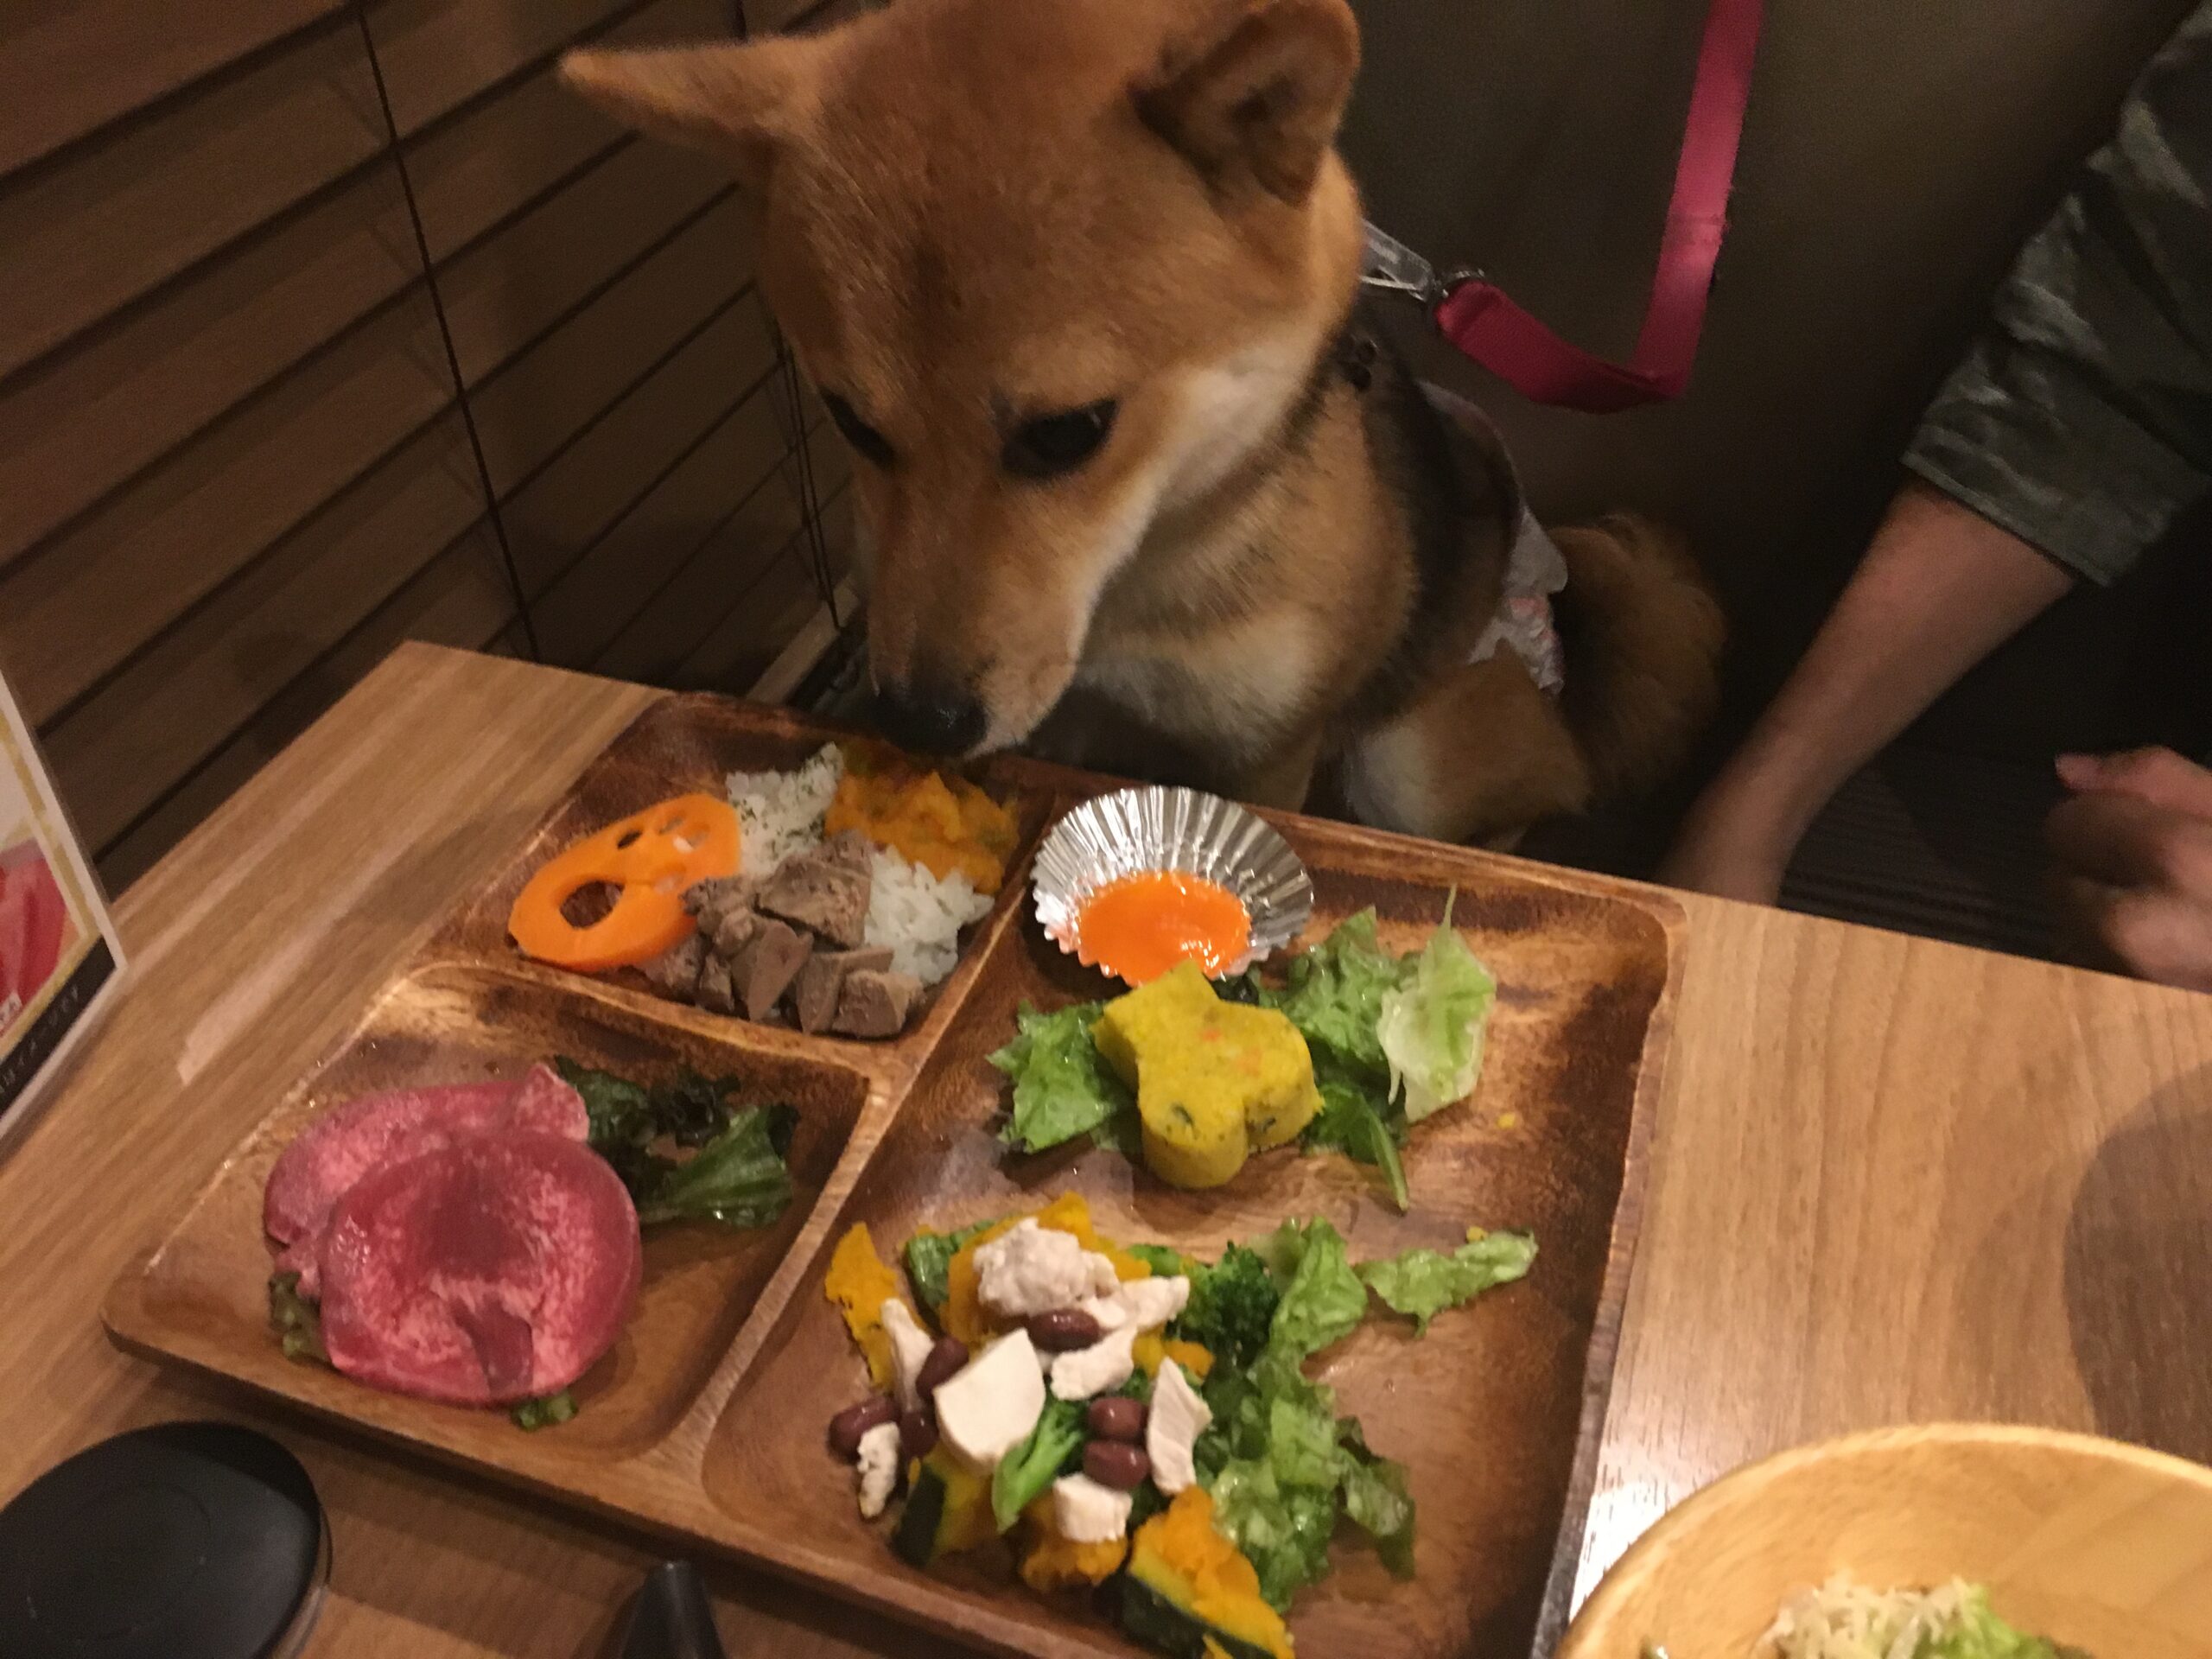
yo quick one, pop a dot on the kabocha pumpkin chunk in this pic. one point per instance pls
(860, 1284)
(1053, 1562)
(1216, 1080)
(949, 1511)
(1188, 1587)
(1153, 1351)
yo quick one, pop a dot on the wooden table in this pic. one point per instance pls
(1894, 1180)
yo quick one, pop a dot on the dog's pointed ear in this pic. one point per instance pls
(743, 103)
(1253, 95)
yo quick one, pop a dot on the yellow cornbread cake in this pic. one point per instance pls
(1216, 1080)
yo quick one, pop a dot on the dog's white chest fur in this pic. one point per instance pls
(1239, 697)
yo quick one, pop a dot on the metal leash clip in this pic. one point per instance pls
(1391, 266)
(1395, 268)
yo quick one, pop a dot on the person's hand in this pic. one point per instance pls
(2133, 849)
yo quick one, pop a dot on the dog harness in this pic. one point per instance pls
(1524, 625)
(1535, 571)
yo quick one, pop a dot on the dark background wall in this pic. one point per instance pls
(325, 326)
(1897, 152)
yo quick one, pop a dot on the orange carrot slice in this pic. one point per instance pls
(653, 856)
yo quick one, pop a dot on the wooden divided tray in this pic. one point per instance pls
(707, 1421)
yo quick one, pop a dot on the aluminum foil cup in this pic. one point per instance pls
(1133, 830)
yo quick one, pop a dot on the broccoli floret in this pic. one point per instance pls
(1233, 1308)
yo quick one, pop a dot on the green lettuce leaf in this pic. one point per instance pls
(1247, 987)
(297, 1321)
(1284, 1531)
(545, 1411)
(929, 1263)
(736, 1176)
(1361, 1123)
(1243, 1402)
(1123, 1132)
(739, 1179)
(1335, 994)
(1051, 1447)
(1421, 1284)
(1282, 1468)
(1322, 1301)
(1302, 1443)
(1979, 1633)
(1431, 1027)
(1062, 1087)
(1377, 1499)
(619, 1109)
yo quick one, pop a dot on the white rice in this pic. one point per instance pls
(920, 915)
(779, 813)
(916, 914)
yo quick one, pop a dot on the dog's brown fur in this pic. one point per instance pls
(976, 212)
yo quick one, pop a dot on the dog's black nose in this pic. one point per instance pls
(930, 719)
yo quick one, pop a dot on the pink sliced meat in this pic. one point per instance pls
(545, 1103)
(33, 924)
(498, 1269)
(349, 1140)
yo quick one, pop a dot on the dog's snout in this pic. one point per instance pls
(931, 719)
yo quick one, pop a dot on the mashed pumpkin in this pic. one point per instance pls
(947, 825)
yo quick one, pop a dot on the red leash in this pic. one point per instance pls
(1486, 323)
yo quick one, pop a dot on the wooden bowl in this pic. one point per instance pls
(2096, 1545)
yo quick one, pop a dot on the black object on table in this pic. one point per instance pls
(186, 1541)
(671, 1618)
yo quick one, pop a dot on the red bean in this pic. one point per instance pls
(848, 1426)
(917, 1432)
(1117, 1418)
(1063, 1330)
(946, 1361)
(1109, 1463)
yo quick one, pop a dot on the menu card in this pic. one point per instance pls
(59, 960)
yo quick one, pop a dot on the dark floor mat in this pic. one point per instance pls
(1941, 844)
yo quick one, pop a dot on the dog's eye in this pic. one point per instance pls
(1053, 444)
(871, 444)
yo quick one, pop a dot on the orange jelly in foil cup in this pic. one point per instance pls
(1140, 927)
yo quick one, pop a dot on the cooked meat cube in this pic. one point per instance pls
(769, 965)
(849, 849)
(823, 981)
(735, 928)
(711, 900)
(717, 991)
(676, 971)
(875, 1003)
(824, 897)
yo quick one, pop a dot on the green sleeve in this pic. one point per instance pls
(2082, 418)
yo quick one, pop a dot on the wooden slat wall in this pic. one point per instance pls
(285, 380)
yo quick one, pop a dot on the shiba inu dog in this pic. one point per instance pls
(1078, 279)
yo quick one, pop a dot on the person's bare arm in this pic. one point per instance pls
(2070, 437)
(1940, 589)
